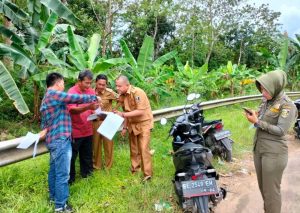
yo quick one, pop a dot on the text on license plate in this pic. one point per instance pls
(222, 134)
(196, 188)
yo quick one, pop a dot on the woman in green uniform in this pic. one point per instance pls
(274, 117)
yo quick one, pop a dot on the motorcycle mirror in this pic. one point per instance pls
(163, 121)
(191, 97)
(197, 96)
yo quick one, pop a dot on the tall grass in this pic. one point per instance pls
(23, 186)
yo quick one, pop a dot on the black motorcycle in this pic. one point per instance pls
(195, 181)
(217, 139)
(297, 123)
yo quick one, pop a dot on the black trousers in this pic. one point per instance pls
(84, 147)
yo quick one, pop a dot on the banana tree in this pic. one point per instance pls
(145, 72)
(90, 58)
(30, 40)
(235, 77)
(191, 79)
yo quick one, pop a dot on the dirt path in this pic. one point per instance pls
(244, 195)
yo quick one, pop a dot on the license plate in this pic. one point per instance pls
(222, 134)
(195, 188)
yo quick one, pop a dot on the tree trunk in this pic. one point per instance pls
(211, 47)
(107, 31)
(154, 37)
(240, 54)
(36, 102)
(232, 88)
(193, 49)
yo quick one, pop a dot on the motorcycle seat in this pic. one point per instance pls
(207, 123)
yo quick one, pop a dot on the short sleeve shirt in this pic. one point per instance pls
(107, 97)
(136, 99)
(80, 126)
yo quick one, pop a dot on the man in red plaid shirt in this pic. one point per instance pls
(56, 119)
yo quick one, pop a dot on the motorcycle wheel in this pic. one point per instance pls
(201, 204)
(227, 155)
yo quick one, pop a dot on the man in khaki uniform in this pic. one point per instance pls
(275, 116)
(107, 97)
(139, 122)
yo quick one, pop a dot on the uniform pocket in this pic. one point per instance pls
(272, 114)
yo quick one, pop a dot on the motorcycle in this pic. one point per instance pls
(217, 139)
(195, 180)
(297, 123)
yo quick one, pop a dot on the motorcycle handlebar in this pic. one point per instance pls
(191, 114)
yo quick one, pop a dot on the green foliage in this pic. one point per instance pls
(9, 85)
(146, 73)
(28, 51)
(191, 80)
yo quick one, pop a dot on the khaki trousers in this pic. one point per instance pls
(140, 152)
(269, 169)
(98, 142)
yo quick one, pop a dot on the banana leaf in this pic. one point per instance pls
(34, 8)
(179, 64)
(283, 54)
(103, 65)
(47, 31)
(23, 73)
(31, 37)
(161, 60)
(11, 35)
(127, 53)
(13, 12)
(76, 63)
(76, 51)
(64, 72)
(62, 28)
(9, 86)
(63, 38)
(18, 57)
(93, 49)
(52, 58)
(45, 13)
(145, 57)
(61, 10)
(112, 74)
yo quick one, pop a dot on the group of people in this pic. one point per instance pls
(68, 132)
(64, 121)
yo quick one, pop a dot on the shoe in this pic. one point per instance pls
(66, 208)
(51, 201)
(147, 178)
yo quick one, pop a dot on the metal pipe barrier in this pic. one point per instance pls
(9, 154)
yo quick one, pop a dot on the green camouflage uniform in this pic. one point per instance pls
(270, 144)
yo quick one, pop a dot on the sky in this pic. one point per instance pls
(290, 13)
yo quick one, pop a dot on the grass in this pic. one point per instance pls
(23, 186)
(10, 130)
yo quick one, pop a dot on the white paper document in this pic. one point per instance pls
(98, 113)
(28, 140)
(110, 125)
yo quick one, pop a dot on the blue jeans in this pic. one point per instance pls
(60, 159)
